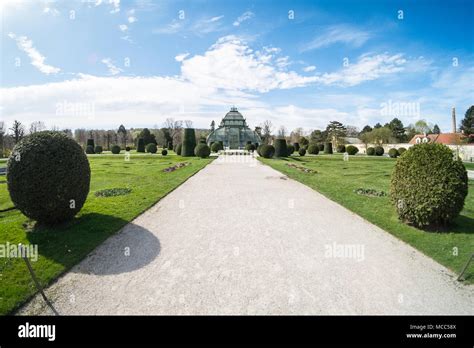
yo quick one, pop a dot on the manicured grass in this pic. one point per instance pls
(62, 247)
(337, 180)
(469, 165)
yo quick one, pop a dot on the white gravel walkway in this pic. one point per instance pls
(241, 238)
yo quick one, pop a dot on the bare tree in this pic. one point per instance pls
(282, 132)
(174, 128)
(267, 131)
(18, 131)
(2, 133)
(296, 135)
(188, 123)
(37, 126)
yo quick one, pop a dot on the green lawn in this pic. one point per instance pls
(469, 165)
(62, 247)
(337, 180)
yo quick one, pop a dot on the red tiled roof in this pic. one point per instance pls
(443, 138)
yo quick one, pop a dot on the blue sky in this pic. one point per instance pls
(100, 63)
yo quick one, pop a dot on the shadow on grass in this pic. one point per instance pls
(130, 249)
(462, 224)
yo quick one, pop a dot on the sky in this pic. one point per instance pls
(101, 63)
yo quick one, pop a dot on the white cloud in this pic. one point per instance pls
(123, 27)
(338, 34)
(181, 57)
(37, 59)
(309, 68)
(132, 19)
(171, 28)
(243, 17)
(116, 6)
(51, 11)
(113, 70)
(207, 25)
(367, 68)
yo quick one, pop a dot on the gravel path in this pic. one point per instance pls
(241, 238)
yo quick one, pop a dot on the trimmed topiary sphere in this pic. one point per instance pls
(151, 148)
(428, 186)
(341, 148)
(393, 153)
(216, 147)
(164, 152)
(379, 150)
(202, 150)
(189, 143)
(313, 149)
(141, 145)
(281, 149)
(127, 148)
(98, 149)
(290, 149)
(302, 152)
(352, 150)
(401, 150)
(297, 146)
(250, 147)
(267, 151)
(328, 148)
(90, 150)
(179, 147)
(48, 177)
(115, 149)
(370, 151)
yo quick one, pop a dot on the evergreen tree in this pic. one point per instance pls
(467, 124)
(398, 130)
(436, 129)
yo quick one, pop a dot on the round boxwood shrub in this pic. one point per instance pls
(370, 151)
(141, 145)
(164, 152)
(352, 150)
(297, 146)
(250, 147)
(48, 177)
(151, 148)
(179, 147)
(90, 150)
(189, 142)
(290, 149)
(259, 150)
(328, 148)
(313, 149)
(281, 149)
(202, 150)
(321, 147)
(216, 147)
(267, 151)
(127, 148)
(341, 148)
(379, 151)
(115, 149)
(98, 149)
(401, 150)
(302, 152)
(428, 186)
(393, 153)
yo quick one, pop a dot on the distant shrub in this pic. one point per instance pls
(115, 149)
(90, 142)
(202, 150)
(290, 149)
(328, 148)
(352, 150)
(141, 145)
(98, 149)
(151, 148)
(179, 147)
(164, 152)
(321, 147)
(216, 147)
(281, 149)
(428, 186)
(250, 147)
(90, 150)
(189, 143)
(341, 148)
(401, 150)
(127, 149)
(302, 152)
(297, 146)
(48, 177)
(267, 151)
(370, 151)
(379, 151)
(313, 149)
(259, 150)
(393, 153)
